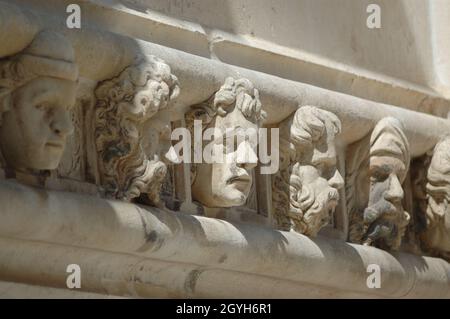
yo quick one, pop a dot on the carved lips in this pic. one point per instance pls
(241, 182)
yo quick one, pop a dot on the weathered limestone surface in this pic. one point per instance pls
(187, 254)
(91, 174)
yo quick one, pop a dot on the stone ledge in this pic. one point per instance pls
(103, 54)
(14, 290)
(251, 53)
(108, 237)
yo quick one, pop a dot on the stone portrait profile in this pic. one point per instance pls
(37, 90)
(305, 190)
(233, 110)
(376, 168)
(436, 233)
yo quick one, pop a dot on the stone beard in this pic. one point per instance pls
(234, 108)
(37, 90)
(436, 236)
(305, 190)
(376, 168)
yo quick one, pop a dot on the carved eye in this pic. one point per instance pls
(379, 174)
(43, 106)
(373, 180)
(47, 108)
(378, 177)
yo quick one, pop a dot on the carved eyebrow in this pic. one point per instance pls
(50, 96)
(43, 95)
(384, 168)
(378, 171)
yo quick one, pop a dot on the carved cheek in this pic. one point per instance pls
(377, 191)
(34, 125)
(219, 174)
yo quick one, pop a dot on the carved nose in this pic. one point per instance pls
(247, 166)
(336, 181)
(245, 156)
(61, 123)
(395, 190)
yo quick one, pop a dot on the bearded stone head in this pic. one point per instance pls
(305, 190)
(436, 235)
(376, 168)
(129, 135)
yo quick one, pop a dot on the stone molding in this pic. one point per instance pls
(132, 250)
(111, 192)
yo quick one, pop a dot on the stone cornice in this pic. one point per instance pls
(280, 97)
(263, 56)
(175, 247)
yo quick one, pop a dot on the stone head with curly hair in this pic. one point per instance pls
(234, 112)
(305, 190)
(127, 133)
(436, 235)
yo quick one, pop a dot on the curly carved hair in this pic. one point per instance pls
(436, 186)
(298, 134)
(233, 93)
(124, 104)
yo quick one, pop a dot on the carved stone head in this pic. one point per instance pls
(437, 233)
(233, 111)
(128, 131)
(305, 191)
(37, 90)
(376, 168)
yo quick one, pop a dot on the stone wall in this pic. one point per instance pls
(169, 153)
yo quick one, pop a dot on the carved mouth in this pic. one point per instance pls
(390, 210)
(244, 178)
(54, 144)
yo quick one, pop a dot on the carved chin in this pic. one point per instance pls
(233, 195)
(228, 196)
(388, 229)
(47, 158)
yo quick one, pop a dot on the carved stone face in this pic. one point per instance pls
(376, 168)
(437, 234)
(318, 196)
(324, 159)
(320, 182)
(227, 184)
(34, 130)
(384, 213)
